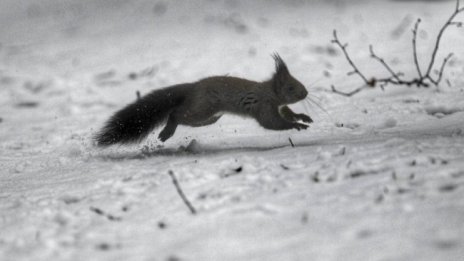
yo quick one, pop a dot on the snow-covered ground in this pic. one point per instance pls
(378, 176)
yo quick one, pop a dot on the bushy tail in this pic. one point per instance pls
(134, 122)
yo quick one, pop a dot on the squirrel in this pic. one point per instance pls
(204, 102)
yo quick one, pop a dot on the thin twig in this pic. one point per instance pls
(348, 94)
(355, 69)
(440, 73)
(442, 30)
(395, 77)
(181, 193)
(343, 47)
(104, 214)
(382, 61)
(414, 47)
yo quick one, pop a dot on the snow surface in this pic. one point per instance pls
(379, 176)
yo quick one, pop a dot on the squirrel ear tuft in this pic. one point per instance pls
(281, 74)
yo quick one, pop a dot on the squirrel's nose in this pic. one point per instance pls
(304, 93)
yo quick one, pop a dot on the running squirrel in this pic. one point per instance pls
(203, 102)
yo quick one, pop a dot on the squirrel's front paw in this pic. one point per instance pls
(300, 126)
(304, 118)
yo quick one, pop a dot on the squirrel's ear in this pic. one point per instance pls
(281, 74)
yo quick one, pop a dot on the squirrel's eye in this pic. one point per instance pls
(291, 88)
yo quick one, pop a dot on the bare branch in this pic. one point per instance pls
(343, 47)
(382, 61)
(440, 73)
(181, 193)
(440, 34)
(423, 79)
(414, 47)
(457, 24)
(348, 94)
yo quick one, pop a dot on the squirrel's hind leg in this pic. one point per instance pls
(198, 118)
(169, 129)
(209, 121)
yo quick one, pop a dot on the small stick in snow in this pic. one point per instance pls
(97, 211)
(102, 213)
(291, 142)
(315, 177)
(236, 172)
(138, 95)
(379, 199)
(181, 193)
(161, 225)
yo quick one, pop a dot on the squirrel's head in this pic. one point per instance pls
(287, 88)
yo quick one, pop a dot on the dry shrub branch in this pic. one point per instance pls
(423, 78)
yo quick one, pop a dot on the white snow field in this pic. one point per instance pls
(377, 176)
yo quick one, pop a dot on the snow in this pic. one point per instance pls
(377, 176)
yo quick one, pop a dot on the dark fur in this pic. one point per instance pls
(134, 122)
(203, 102)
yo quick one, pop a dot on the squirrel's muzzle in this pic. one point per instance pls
(303, 93)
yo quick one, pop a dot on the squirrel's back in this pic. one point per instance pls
(228, 94)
